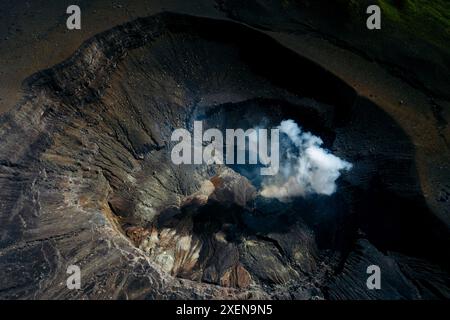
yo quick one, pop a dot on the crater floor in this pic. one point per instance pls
(86, 177)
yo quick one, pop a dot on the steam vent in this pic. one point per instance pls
(86, 176)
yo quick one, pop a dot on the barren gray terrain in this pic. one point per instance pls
(86, 176)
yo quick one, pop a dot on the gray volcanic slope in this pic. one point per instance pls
(86, 177)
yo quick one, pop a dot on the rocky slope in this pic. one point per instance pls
(86, 177)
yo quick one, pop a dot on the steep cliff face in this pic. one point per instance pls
(86, 177)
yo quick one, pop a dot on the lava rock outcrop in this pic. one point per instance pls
(86, 177)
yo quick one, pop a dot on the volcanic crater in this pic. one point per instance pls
(87, 179)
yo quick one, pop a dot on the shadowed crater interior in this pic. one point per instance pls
(94, 184)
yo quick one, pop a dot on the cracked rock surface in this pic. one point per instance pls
(86, 177)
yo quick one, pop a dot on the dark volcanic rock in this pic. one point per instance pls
(344, 24)
(86, 177)
(351, 282)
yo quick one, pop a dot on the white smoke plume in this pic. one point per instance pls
(306, 167)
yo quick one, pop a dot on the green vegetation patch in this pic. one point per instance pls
(427, 19)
